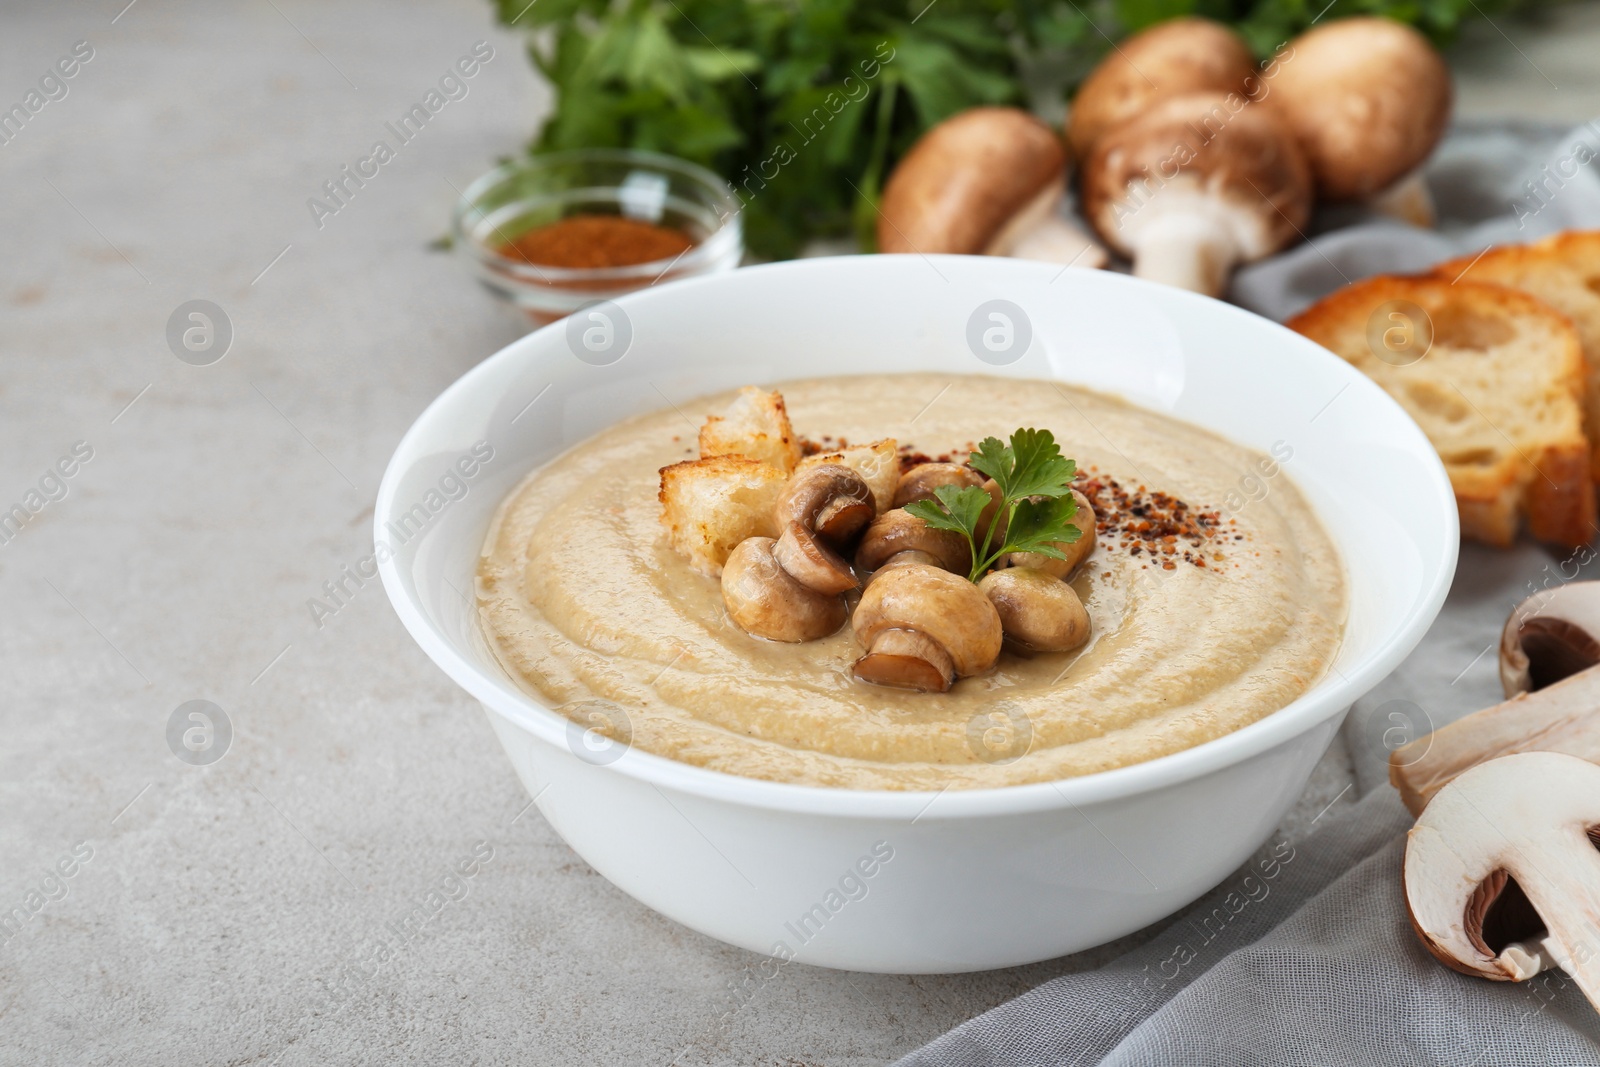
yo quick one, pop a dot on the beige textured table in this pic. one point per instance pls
(167, 913)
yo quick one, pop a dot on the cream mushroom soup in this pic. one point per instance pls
(1209, 608)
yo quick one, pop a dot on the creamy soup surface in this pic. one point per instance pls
(588, 608)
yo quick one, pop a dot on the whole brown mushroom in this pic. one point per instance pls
(822, 507)
(988, 181)
(1367, 99)
(1195, 186)
(920, 481)
(1038, 611)
(924, 627)
(897, 530)
(766, 601)
(1183, 55)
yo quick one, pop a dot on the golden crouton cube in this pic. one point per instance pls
(877, 463)
(756, 426)
(709, 505)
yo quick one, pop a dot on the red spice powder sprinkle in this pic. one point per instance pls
(1136, 521)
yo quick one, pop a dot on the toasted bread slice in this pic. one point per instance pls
(1564, 272)
(877, 463)
(756, 426)
(709, 505)
(1494, 377)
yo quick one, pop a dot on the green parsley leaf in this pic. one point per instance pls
(958, 508)
(1035, 483)
(1039, 525)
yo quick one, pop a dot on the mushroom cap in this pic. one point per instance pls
(1183, 55)
(943, 606)
(1551, 635)
(966, 178)
(1075, 551)
(1367, 98)
(1203, 154)
(813, 564)
(766, 601)
(920, 481)
(829, 499)
(897, 530)
(1037, 610)
(1531, 817)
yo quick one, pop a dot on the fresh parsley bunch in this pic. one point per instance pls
(777, 89)
(1035, 482)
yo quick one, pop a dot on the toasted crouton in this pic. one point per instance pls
(1562, 271)
(877, 463)
(1498, 391)
(709, 505)
(756, 426)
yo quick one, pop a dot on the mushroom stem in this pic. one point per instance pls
(906, 659)
(1188, 247)
(1407, 200)
(1039, 231)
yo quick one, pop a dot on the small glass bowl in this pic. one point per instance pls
(516, 197)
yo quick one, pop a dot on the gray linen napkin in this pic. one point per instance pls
(1305, 955)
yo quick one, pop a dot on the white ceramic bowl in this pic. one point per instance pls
(920, 882)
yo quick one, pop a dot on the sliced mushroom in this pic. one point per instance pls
(1367, 99)
(1075, 551)
(923, 627)
(1532, 820)
(989, 181)
(811, 563)
(1559, 718)
(897, 530)
(920, 481)
(1196, 185)
(765, 600)
(1550, 636)
(830, 500)
(1038, 611)
(1183, 55)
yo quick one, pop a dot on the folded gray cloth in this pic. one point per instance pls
(1305, 955)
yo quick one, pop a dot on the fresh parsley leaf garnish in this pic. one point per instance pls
(1035, 482)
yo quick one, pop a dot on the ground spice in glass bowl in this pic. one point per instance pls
(556, 232)
(589, 241)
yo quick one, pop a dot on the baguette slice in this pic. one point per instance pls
(709, 505)
(1498, 391)
(1564, 272)
(756, 426)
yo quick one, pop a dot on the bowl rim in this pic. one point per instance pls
(717, 244)
(1280, 727)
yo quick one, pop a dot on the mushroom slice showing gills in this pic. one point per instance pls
(1552, 635)
(988, 181)
(1534, 819)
